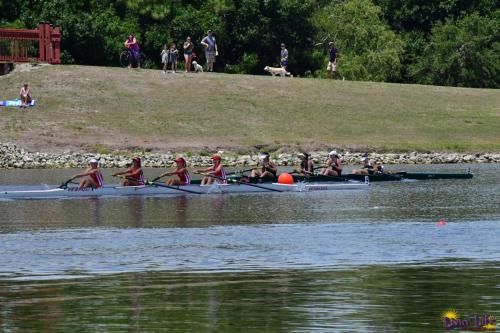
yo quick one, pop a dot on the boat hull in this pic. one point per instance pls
(148, 190)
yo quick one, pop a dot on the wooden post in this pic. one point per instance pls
(46, 37)
(56, 42)
(41, 40)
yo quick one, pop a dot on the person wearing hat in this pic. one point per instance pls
(210, 45)
(94, 176)
(369, 167)
(333, 165)
(306, 165)
(217, 173)
(332, 59)
(283, 56)
(181, 172)
(267, 170)
(133, 176)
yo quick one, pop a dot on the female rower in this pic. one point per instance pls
(306, 165)
(180, 171)
(133, 176)
(333, 165)
(268, 169)
(217, 173)
(94, 176)
(369, 167)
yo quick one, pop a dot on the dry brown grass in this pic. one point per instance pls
(92, 108)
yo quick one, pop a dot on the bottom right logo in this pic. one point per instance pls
(452, 319)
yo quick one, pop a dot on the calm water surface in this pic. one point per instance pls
(340, 261)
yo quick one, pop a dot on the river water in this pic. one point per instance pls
(370, 260)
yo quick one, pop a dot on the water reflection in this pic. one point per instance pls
(371, 299)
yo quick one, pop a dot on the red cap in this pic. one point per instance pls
(216, 158)
(180, 160)
(136, 159)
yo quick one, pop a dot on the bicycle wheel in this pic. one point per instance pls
(125, 58)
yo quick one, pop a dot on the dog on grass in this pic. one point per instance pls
(197, 67)
(277, 71)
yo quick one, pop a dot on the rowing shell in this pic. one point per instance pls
(156, 190)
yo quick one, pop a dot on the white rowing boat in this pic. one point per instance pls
(153, 190)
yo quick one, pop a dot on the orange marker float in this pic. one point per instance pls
(285, 178)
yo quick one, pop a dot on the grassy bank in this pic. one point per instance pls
(106, 109)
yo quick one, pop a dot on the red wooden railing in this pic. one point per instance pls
(20, 45)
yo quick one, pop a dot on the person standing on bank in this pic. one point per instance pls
(211, 51)
(332, 61)
(188, 54)
(131, 44)
(284, 56)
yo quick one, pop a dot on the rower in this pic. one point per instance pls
(94, 176)
(133, 176)
(181, 172)
(267, 170)
(333, 165)
(217, 172)
(369, 167)
(306, 165)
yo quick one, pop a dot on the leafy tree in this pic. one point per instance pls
(420, 15)
(465, 52)
(368, 49)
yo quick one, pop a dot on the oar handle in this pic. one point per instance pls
(65, 184)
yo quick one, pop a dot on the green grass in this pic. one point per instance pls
(88, 108)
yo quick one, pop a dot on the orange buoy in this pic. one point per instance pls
(285, 178)
(441, 222)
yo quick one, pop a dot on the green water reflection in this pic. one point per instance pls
(371, 299)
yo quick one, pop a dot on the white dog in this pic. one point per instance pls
(197, 68)
(277, 71)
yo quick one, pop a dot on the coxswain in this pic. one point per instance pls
(333, 165)
(93, 176)
(369, 167)
(180, 171)
(267, 170)
(133, 176)
(217, 173)
(306, 165)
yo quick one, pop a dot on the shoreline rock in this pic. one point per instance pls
(13, 157)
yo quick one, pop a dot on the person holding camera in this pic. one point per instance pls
(188, 54)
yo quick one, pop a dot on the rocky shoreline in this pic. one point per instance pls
(12, 157)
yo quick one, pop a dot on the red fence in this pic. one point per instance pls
(42, 44)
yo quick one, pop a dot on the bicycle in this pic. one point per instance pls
(126, 57)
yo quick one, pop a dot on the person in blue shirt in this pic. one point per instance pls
(284, 56)
(332, 61)
(210, 45)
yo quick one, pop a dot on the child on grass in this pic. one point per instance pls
(172, 57)
(164, 57)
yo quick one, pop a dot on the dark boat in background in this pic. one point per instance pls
(381, 177)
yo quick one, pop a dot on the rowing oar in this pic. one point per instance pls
(241, 183)
(64, 185)
(239, 171)
(153, 183)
